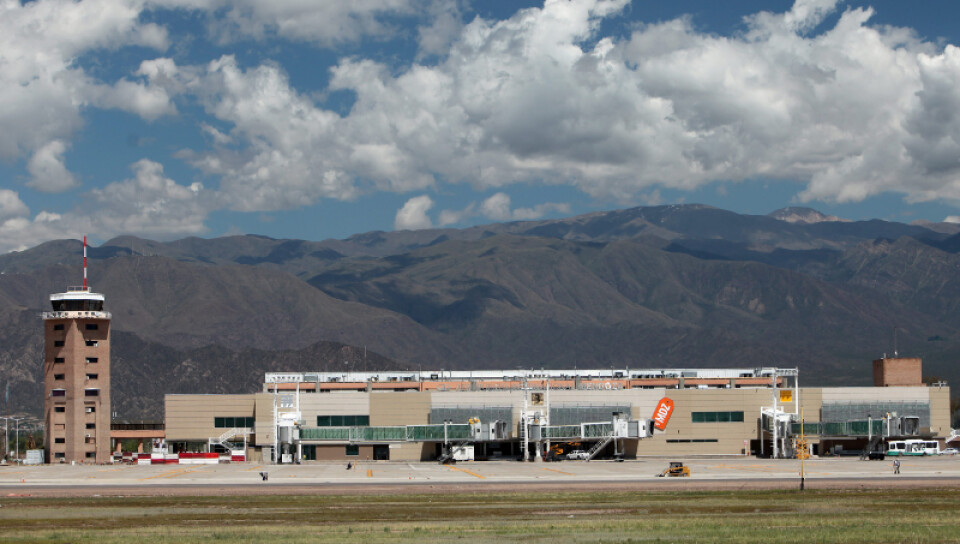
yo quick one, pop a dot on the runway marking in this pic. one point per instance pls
(252, 469)
(467, 471)
(748, 468)
(164, 474)
(369, 473)
(560, 471)
(173, 473)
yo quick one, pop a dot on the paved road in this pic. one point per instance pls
(242, 478)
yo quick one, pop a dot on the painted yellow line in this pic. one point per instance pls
(467, 471)
(258, 467)
(369, 473)
(560, 471)
(174, 473)
(163, 474)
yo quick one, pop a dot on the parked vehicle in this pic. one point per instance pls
(578, 455)
(676, 469)
(913, 447)
(949, 451)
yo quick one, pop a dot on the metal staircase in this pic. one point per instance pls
(868, 452)
(224, 439)
(598, 447)
(452, 451)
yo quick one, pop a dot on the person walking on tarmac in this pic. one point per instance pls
(896, 466)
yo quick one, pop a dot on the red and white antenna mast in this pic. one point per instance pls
(84, 263)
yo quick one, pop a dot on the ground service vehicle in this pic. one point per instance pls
(676, 468)
(913, 447)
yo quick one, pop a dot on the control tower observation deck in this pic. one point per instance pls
(76, 370)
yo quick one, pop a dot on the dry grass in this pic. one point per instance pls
(913, 515)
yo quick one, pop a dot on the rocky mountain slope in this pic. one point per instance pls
(680, 286)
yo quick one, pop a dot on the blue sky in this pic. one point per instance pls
(304, 119)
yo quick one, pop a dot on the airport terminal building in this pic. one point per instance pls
(539, 414)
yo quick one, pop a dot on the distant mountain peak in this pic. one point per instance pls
(794, 214)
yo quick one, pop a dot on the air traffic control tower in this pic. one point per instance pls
(76, 369)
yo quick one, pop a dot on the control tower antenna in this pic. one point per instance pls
(896, 350)
(84, 262)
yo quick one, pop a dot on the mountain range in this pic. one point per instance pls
(682, 286)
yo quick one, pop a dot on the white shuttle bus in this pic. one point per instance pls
(913, 447)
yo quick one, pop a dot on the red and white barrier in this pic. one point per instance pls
(199, 458)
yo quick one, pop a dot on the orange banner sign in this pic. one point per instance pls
(661, 415)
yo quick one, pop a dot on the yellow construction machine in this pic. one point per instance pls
(561, 449)
(676, 468)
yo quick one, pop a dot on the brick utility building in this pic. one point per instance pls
(76, 371)
(426, 415)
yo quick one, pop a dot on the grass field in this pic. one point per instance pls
(909, 515)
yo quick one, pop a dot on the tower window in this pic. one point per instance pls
(91, 392)
(59, 409)
(58, 327)
(92, 376)
(92, 326)
(91, 409)
(58, 343)
(59, 440)
(92, 343)
(58, 360)
(59, 376)
(91, 425)
(58, 393)
(91, 455)
(93, 360)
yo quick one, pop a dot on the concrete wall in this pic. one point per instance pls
(191, 417)
(338, 453)
(940, 416)
(730, 436)
(406, 408)
(333, 404)
(264, 431)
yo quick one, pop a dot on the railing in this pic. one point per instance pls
(224, 439)
(136, 426)
(555, 432)
(876, 427)
(75, 314)
(596, 430)
(593, 451)
(411, 433)
(436, 433)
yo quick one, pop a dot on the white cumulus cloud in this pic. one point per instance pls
(42, 87)
(413, 214)
(850, 111)
(322, 23)
(149, 204)
(498, 207)
(47, 170)
(11, 206)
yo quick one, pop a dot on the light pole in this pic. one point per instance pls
(16, 422)
(6, 437)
